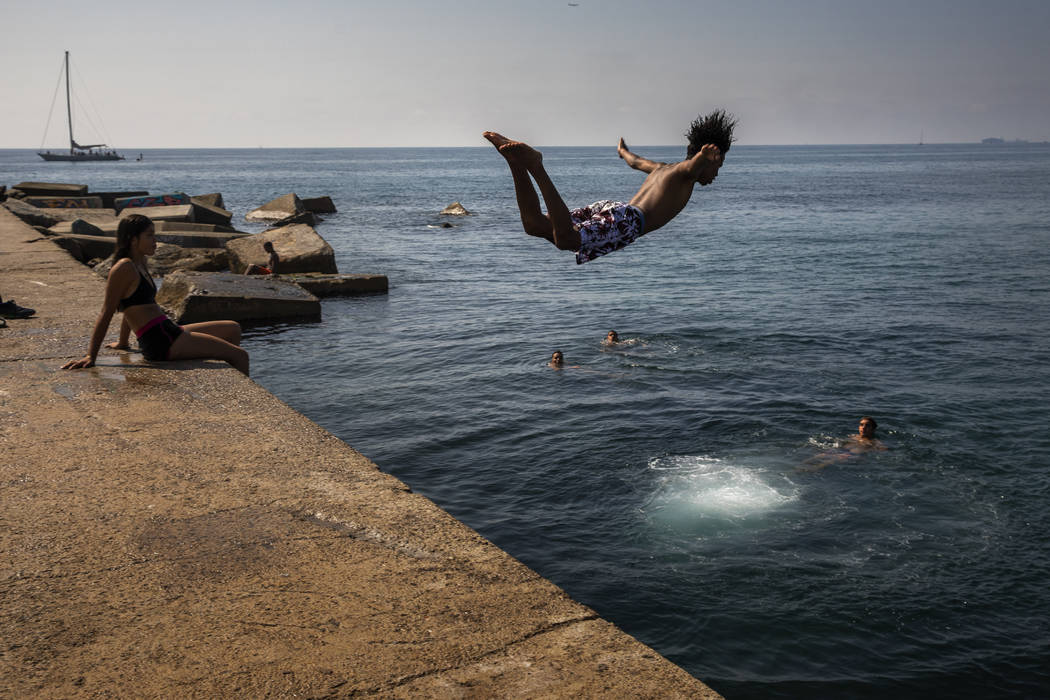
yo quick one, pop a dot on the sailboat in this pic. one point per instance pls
(90, 152)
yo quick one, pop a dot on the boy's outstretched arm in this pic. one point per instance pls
(636, 161)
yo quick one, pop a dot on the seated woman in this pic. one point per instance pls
(130, 288)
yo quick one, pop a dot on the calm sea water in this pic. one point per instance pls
(657, 481)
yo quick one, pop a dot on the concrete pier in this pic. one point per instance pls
(174, 530)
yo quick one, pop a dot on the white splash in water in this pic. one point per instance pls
(696, 487)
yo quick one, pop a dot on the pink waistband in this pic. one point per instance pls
(153, 322)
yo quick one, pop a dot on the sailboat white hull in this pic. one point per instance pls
(77, 157)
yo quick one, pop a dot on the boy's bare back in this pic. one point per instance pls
(669, 186)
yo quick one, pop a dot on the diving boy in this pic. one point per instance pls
(606, 226)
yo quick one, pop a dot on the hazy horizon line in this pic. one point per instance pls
(1005, 142)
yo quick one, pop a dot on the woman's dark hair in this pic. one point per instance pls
(716, 128)
(130, 228)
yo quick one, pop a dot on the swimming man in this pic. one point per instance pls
(606, 226)
(853, 446)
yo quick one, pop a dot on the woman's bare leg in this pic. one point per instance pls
(192, 345)
(524, 160)
(230, 331)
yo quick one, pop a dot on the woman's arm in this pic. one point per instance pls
(118, 286)
(125, 337)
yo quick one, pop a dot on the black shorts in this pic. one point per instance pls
(157, 338)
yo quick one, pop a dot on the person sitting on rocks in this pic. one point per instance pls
(271, 266)
(130, 288)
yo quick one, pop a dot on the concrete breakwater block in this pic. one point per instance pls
(34, 216)
(319, 205)
(207, 214)
(84, 248)
(212, 200)
(51, 189)
(299, 247)
(108, 198)
(340, 285)
(172, 229)
(174, 212)
(200, 211)
(163, 226)
(169, 258)
(306, 217)
(173, 233)
(151, 200)
(213, 296)
(280, 208)
(93, 215)
(65, 202)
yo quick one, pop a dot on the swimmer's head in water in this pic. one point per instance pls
(612, 337)
(557, 358)
(867, 426)
(716, 128)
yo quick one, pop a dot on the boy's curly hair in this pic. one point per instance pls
(716, 128)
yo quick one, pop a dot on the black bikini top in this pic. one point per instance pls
(145, 293)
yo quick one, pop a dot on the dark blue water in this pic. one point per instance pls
(657, 481)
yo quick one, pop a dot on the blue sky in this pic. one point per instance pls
(415, 73)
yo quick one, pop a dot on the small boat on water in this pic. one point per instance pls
(77, 153)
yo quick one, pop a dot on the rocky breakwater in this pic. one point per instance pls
(194, 235)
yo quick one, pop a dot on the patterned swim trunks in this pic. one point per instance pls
(606, 226)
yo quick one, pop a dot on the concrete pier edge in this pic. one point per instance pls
(174, 530)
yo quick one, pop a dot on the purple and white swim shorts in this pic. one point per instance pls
(606, 226)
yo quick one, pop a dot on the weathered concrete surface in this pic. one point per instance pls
(173, 530)
(35, 216)
(192, 297)
(342, 284)
(85, 202)
(108, 198)
(84, 248)
(208, 214)
(169, 258)
(175, 233)
(319, 205)
(213, 199)
(52, 189)
(300, 248)
(109, 228)
(281, 208)
(93, 215)
(173, 212)
(151, 200)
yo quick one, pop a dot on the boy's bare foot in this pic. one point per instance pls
(622, 148)
(514, 151)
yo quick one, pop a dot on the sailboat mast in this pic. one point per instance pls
(69, 108)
